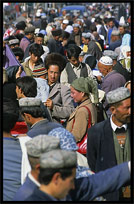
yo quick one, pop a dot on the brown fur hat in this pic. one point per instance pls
(55, 59)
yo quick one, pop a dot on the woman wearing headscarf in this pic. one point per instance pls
(85, 114)
(125, 57)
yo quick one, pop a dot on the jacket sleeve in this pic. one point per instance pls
(63, 110)
(80, 124)
(101, 183)
(92, 147)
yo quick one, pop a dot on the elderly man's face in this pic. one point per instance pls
(122, 113)
(104, 69)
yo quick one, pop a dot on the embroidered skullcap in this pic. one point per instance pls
(58, 159)
(117, 95)
(87, 85)
(69, 29)
(84, 34)
(39, 70)
(76, 25)
(13, 41)
(85, 14)
(29, 101)
(115, 32)
(40, 144)
(110, 53)
(67, 140)
(106, 60)
(65, 21)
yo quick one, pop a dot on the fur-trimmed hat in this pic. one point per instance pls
(57, 32)
(55, 59)
(117, 95)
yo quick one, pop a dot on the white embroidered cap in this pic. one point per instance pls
(106, 60)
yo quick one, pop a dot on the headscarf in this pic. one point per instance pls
(67, 142)
(86, 85)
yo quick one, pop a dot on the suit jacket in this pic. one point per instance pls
(100, 148)
(88, 188)
(25, 190)
(110, 180)
(39, 195)
(62, 102)
(42, 127)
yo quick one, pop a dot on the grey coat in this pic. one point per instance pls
(62, 102)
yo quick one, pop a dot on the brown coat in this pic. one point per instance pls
(27, 69)
(81, 119)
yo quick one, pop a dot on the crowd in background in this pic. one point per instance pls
(66, 91)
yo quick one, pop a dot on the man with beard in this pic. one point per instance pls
(108, 142)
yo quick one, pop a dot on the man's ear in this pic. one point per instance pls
(27, 115)
(56, 178)
(112, 109)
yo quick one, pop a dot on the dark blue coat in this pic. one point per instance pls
(86, 189)
(39, 195)
(42, 127)
(110, 180)
(25, 190)
(100, 148)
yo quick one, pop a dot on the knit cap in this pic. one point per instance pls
(39, 70)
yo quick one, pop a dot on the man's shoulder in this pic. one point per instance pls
(101, 125)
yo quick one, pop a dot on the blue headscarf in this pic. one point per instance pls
(67, 142)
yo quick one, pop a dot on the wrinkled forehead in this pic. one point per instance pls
(100, 65)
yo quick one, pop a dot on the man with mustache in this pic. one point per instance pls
(108, 142)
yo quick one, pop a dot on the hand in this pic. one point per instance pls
(49, 104)
(18, 72)
(99, 78)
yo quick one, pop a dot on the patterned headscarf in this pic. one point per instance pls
(67, 142)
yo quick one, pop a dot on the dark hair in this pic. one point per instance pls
(93, 27)
(98, 20)
(40, 35)
(36, 49)
(18, 52)
(28, 85)
(91, 61)
(10, 114)
(11, 37)
(21, 25)
(19, 36)
(73, 51)
(34, 111)
(45, 175)
(55, 59)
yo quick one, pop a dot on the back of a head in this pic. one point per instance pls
(73, 51)
(10, 114)
(32, 106)
(91, 61)
(18, 52)
(28, 85)
(21, 25)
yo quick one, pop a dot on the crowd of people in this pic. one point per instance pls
(67, 104)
